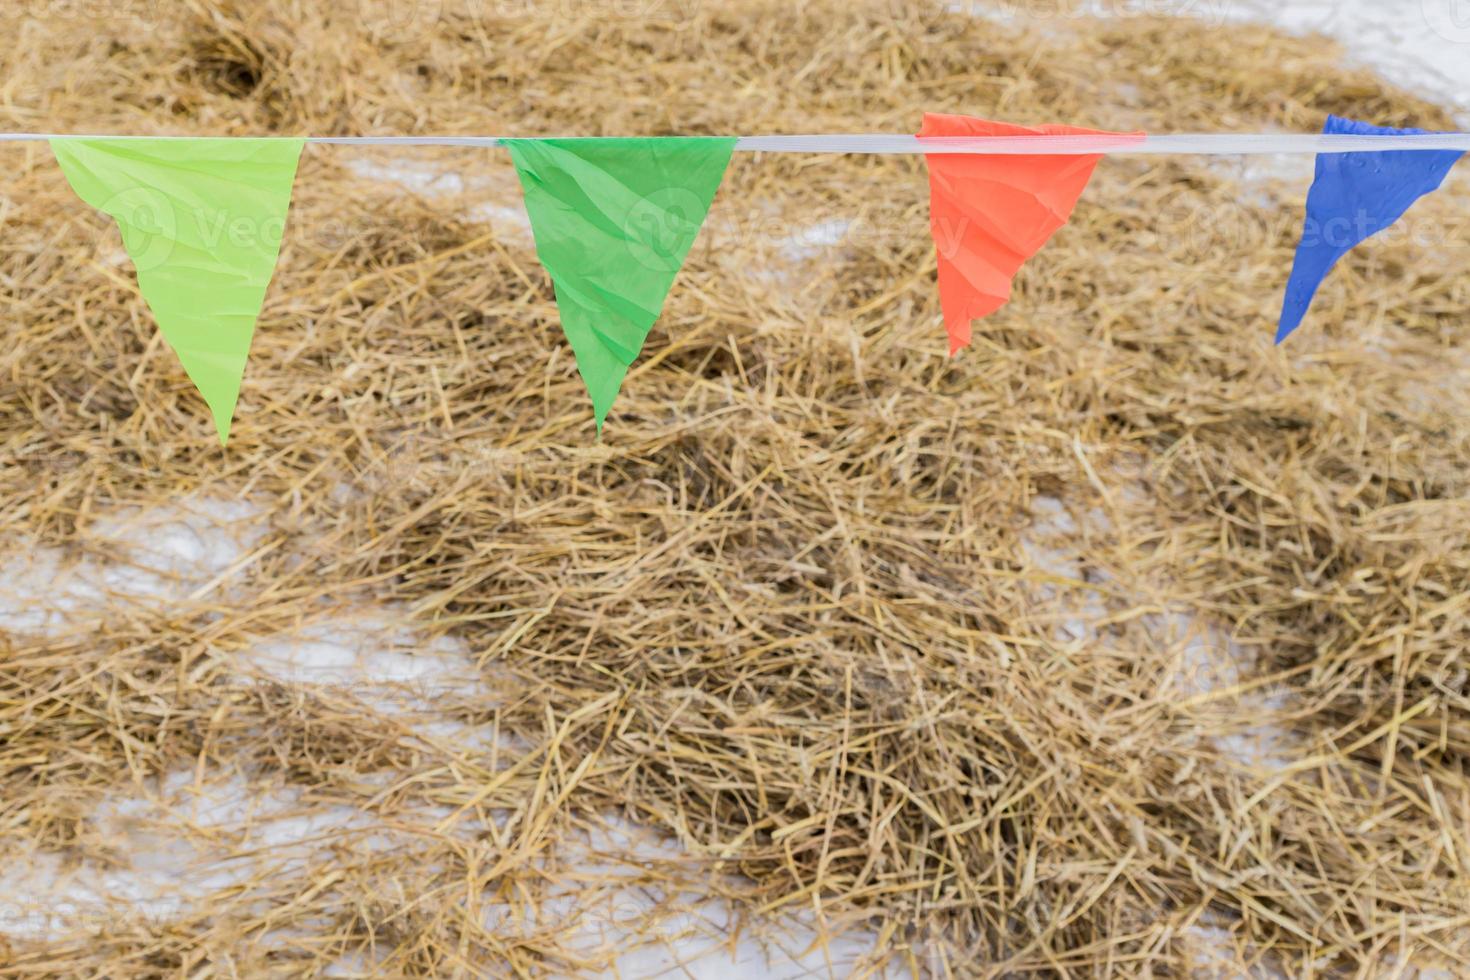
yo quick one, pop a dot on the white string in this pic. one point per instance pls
(1185, 143)
(1231, 144)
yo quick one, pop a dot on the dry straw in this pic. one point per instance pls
(930, 647)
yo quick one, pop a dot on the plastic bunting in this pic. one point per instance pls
(614, 220)
(1355, 196)
(989, 214)
(202, 220)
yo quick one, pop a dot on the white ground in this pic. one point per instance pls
(193, 549)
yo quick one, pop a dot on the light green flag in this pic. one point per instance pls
(202, 220)
(614, 220)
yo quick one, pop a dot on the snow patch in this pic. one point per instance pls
(379, 657)
(1049, 545)
(161, 556)
(812, 240)
(156, 852)
(372, 650)
(1211, 661)
(437, 181)
(1422, 45)
(693, 934)
(166, 847)
(1215, 954)
(421, 178)
(512, 218)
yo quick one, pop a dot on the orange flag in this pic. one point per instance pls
(989, 214)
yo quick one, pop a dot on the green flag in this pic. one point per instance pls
(614, 220)
(202, 220)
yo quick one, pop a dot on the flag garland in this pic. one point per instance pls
(1355, 196)
(614, 219)
(989, 214)
(202, 221)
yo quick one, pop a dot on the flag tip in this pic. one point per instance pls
(222, 425)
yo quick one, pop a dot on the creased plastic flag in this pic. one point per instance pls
(202, 220)
(990, 213)
(614, 220)
(1355, 196)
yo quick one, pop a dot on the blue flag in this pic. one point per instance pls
(1355, 196)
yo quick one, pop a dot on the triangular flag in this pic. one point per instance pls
(990, 213)
(1354, 196)
(614, 220)
(202, 220)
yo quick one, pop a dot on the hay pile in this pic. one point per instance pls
(1123, 644)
